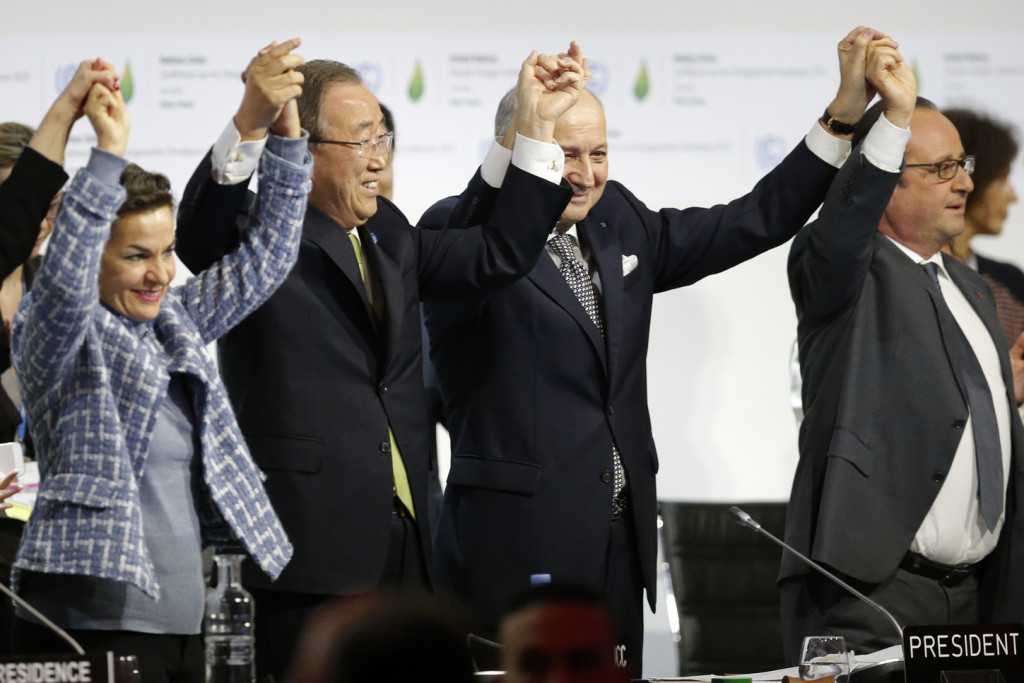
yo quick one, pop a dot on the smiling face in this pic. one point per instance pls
(345, 185)
(138, 264)
(925, 213)
(581, 133)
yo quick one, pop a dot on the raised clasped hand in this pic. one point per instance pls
(548, 86)
(855, 92)
(564, 77)
(271, 84)
(894, 80)
(109, 118)
(89, 73)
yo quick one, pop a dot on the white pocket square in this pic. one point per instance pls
(629, 264)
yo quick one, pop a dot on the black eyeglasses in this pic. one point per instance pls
(371, 147)
(947, 169)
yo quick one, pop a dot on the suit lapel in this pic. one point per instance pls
(388, 277)
(546, 276)
(943, 317)
(334, 241)
(607, 251)
(987, 312)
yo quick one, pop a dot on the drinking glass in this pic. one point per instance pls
(824, 656)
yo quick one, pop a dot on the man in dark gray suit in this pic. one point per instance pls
(911, 447)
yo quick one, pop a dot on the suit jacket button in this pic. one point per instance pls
(606, 476)
(938, 476)
(382, 388)
(958, 424)
(611, 409)
(385, 446)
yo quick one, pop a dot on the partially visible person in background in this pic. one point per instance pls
(560, 633)
(386, 183)
(995, 146)
(31, 177)
(14, 138)
(385, 637)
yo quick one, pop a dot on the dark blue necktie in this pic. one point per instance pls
(988, 454)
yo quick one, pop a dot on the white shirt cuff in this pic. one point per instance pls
(492, 170)
(826, 146)
(885, 144)
(232, 160)
(542, 159)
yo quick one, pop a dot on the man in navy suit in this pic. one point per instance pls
(326, 377)
(545, 383)
(911, 448)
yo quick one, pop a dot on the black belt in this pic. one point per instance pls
(946, 574)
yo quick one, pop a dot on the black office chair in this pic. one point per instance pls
(720, 580)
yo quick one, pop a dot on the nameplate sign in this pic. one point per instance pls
(969, 653)
(53, 668)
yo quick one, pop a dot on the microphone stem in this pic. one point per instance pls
(881, 610)
(46, 622)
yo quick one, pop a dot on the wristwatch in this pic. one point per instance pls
(835, 125)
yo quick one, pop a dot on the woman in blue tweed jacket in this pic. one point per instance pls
(141, 459)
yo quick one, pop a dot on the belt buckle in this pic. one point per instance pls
(956, 575)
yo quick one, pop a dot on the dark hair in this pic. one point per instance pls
(318, 74)
(860, 131)
(385, 638)
(146, 191)
(389, 121)
(557, 592)
(992, 142)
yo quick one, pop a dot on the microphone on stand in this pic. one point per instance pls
(748, 521)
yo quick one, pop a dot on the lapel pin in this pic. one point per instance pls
(373, 236)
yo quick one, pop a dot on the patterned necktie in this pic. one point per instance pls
(987, 452)
(578, 278)
(401, 477)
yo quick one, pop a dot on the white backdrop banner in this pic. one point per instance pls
(693, 119)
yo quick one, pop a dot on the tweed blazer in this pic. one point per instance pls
(93, 382)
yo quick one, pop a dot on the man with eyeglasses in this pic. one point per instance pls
(326, 377)
(911, 447)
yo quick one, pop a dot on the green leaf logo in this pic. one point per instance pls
(127, 82)
(416, 83)
(643, 84)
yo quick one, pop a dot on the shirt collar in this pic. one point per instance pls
(571, 231)
(935, 258)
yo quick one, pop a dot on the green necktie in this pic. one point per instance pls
(402, 489)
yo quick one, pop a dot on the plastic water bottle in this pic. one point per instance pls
(228, 625)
